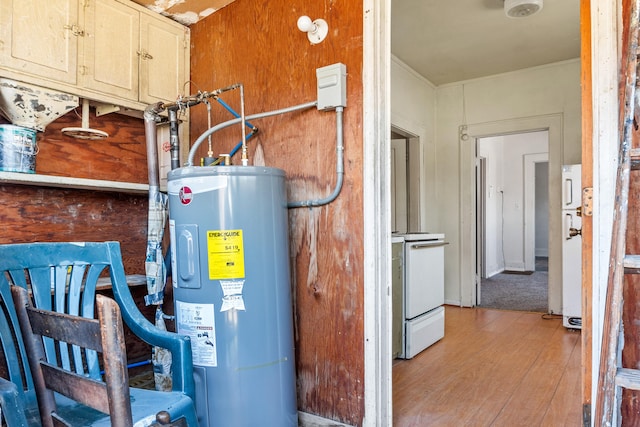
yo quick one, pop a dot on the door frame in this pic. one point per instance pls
(376, 70)
(481, 224)
(553, 123)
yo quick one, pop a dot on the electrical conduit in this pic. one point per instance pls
(339, 170)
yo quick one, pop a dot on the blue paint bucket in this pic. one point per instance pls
(18, 149)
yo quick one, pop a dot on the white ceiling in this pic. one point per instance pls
(452, 40)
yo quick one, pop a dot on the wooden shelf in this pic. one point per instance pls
(69, 182)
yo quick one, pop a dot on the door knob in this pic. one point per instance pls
(573, 232)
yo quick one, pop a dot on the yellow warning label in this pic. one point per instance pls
(226, 254)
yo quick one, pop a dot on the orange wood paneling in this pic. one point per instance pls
(120, 157)
(587, 221)
(260, 46)
(32, 213)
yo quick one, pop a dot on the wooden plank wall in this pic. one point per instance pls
(33, 213)
(260, 46)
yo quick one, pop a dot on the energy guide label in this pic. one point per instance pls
(225, 253)
(197, 322)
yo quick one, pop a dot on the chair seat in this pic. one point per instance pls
(143, 403)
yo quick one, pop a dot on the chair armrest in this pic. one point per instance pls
(178, 345)
(12, 404)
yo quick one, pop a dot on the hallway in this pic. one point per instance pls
(493, 368)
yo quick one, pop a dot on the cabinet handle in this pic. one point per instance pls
(75, 30)
(144, 54)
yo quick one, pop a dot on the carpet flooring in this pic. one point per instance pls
(518, 292)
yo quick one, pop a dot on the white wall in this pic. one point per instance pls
(536, 95)
(515, 148)
(542, 209)
(413, 111)
(505, 197)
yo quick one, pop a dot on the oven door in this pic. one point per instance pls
(424, 277)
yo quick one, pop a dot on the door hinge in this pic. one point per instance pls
(586, 415)
(587, 201)
(75, 30)
(144, 54)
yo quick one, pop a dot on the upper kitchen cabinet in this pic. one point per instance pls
(109, 49)
(113, 51)
(40, 38)
(164, 59)
(133, 53)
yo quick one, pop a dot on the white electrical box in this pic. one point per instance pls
(332, 86)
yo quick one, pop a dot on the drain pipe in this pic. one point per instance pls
(339, 169)
(174, 139)
(150, 115)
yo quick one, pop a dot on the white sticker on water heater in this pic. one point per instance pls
(234, 302)
(197, 321)
(232, 291)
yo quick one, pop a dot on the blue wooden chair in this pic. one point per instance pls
(62, 277)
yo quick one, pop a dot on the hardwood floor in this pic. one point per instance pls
(493, 368)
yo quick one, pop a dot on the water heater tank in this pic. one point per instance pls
(232, 294)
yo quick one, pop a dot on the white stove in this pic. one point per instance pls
(423, 298)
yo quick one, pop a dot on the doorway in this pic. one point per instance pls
(405, 181)
(551, 123)
(512, 221)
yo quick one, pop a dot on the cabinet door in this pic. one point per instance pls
(40, 38)
(164, 46)
(109, 61)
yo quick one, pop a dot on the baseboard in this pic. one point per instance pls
(310, 420)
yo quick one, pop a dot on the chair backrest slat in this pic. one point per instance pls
(104, 335)
(13, 349)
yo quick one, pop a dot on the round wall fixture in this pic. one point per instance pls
(85, 132)
(521, 8)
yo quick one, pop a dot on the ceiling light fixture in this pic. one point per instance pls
(522, 8)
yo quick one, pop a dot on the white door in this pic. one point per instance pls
(399, 185)
(571, 186)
